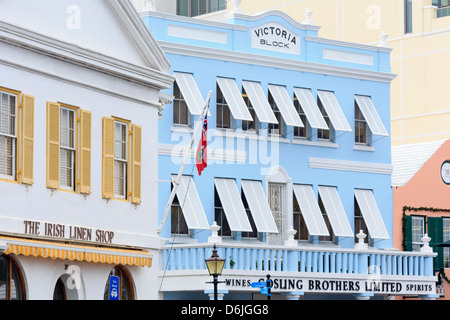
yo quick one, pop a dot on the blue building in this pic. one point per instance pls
(299, 163)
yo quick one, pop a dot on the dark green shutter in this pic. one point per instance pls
(435, 232)
(408, 233)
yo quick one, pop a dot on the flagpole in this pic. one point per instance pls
(186, 157)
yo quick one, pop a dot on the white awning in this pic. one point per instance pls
(371, 214)
(334, 111)
(311, 109)
(190, 203)
(190, 92)
(232, 204)
(233, 97)
(259, 206)
(335, 211)
(371, 115)
(259, 102)
(285, 105)
(310, 210)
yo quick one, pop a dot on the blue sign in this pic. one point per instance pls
(265, 291)
(114, 287)
(258, 284)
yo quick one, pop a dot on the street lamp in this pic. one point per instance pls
(215, 266)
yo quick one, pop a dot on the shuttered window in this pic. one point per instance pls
(8, 136)
(121, 177)
(68, 148)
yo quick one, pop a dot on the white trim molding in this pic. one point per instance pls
(346, 165)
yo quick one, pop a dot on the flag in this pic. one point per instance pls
(201, 158)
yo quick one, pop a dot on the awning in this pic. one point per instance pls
(371, 214)
(334, 111)
(285, 105)
(310, 210)
(259, 102)
(232, 204)
(259, 206)
(311, 109)
(234, 99)
(335, 211)
(55, 250)
(190, 92)
(190, 203)
(371, 115)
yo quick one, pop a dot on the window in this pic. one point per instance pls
(224, 118)
(220, 217)
(249, 125)
(418, 230)
(68, 148)
(181, 114)
(408, 16)
(178, 223)
(276, 128)
(324, 134)
(361, 129)
(276, 198)
(8, 136)
(121, 160)
(16, 136)
(11, 284)
(446, 237)
(254, 233)
(126, 291)
(299, 223)
(327, 222)
(192, 8)
(360, 224)
(300, 132)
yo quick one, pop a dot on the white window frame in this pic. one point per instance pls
(120, 160)
(11, 118)
(446, 237)
(417, 232)
(67, 148)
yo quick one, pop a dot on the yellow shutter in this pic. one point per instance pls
(27, 139)
(53, 132)
(108, 158)
(136, 164)
(85, 151)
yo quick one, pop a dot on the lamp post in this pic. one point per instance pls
(215, 266)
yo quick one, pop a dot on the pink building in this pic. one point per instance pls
(421, 188)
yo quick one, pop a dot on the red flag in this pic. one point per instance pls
(201, 158)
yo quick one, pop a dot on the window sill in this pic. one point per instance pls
(361, 147)
(277, 138)
(230, 133)
(181, 128)
(326, 144)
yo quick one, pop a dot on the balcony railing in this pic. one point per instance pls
(300, 259)
(443, 12)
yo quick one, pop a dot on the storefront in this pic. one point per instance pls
(298, 176)
(80, 99)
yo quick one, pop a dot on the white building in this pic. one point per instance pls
(80, 92)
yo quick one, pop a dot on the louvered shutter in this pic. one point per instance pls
(85, 151)
(136, 164)
(435, 232)
(108, 158)
(408, 233)
(27, 139)
(53, 140)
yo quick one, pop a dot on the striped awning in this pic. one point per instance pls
(54, 250)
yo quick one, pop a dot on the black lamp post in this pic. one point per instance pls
(215, 266)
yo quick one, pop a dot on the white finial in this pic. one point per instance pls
(361, 245)
(291, 242)
(236, 4)
(308, 20)
(383, 38)
(426, 246)
(215, 235)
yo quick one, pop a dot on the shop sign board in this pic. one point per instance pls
(114, 287)
(275, 37)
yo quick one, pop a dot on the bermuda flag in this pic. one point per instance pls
(201, 158)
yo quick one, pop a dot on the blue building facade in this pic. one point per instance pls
(299, 163)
